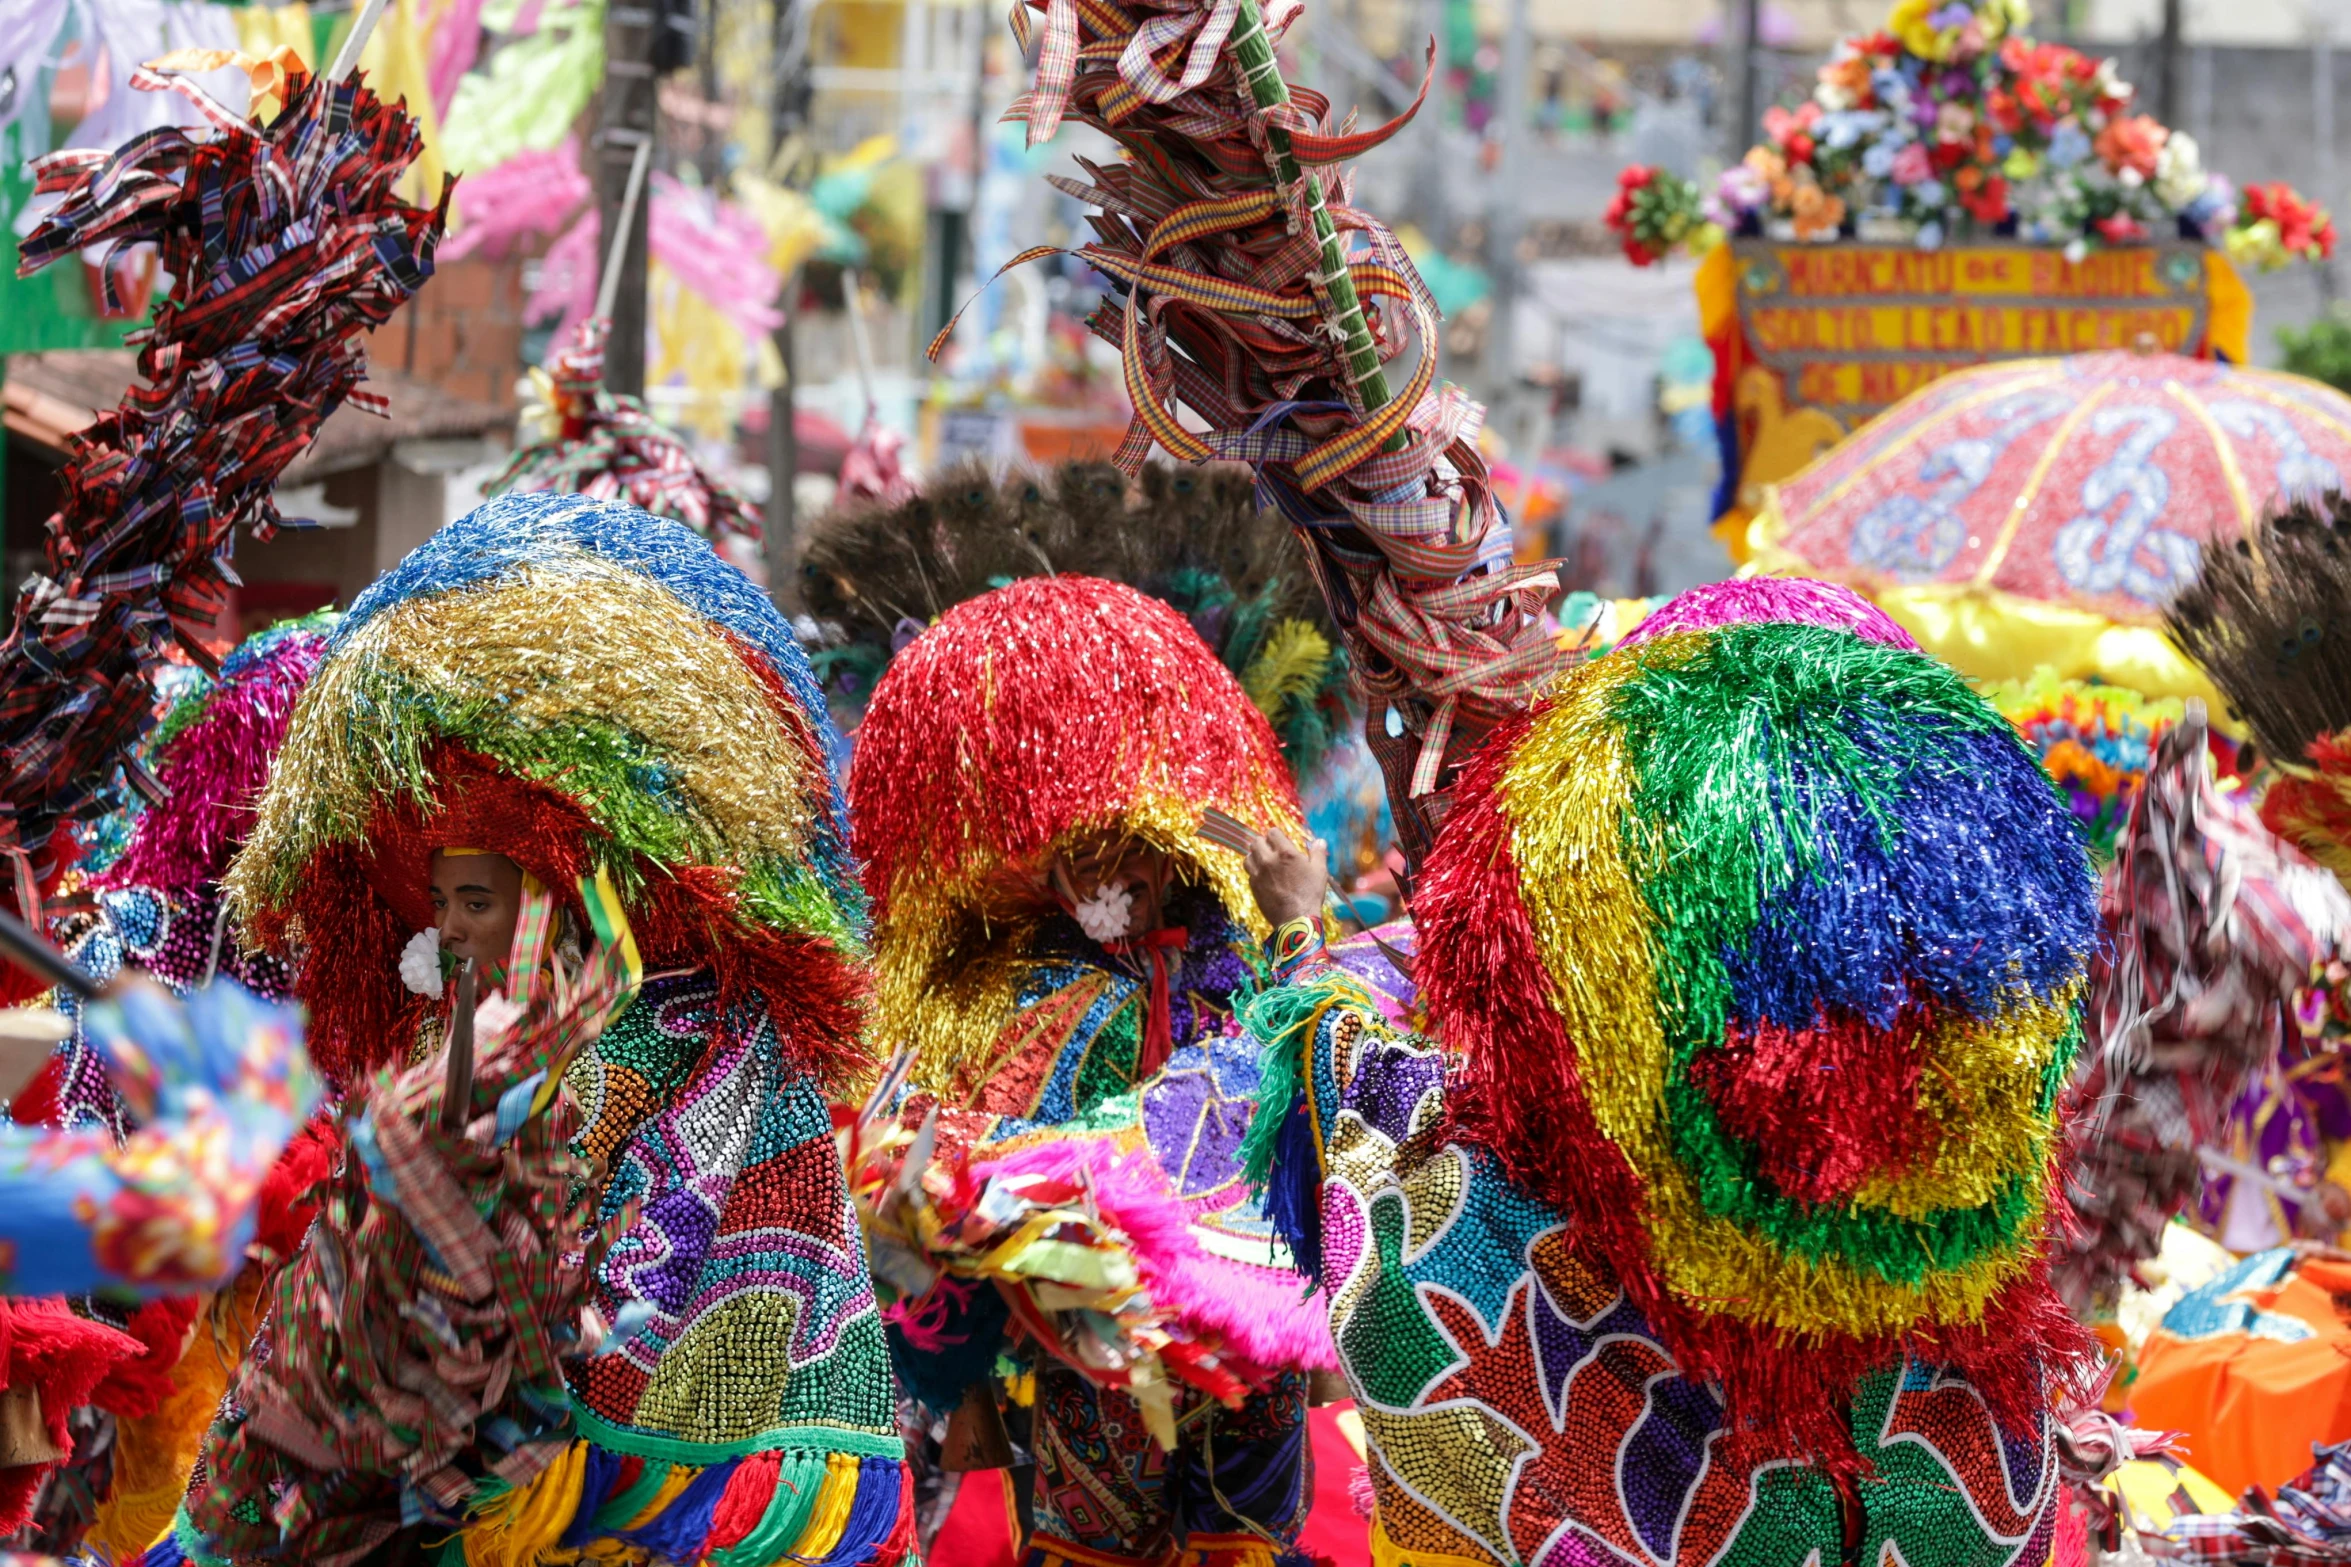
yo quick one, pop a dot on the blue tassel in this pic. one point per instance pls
(873, 1512)
(1293, 1190)
(596, 1477)
(676, 1533)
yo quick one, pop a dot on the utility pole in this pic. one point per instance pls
(2322, 115)
(1505, 217)
(787, 118)
(1750, 84)
(630, 117)
(2167, 64)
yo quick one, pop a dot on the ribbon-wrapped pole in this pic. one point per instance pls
(1251, 294)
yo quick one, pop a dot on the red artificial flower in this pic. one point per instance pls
(2120, 228)
(1948, 155)
(1987, 202)
(2001, 108)
(1634, 175)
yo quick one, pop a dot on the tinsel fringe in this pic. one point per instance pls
(1027, 717)
(371, 893)
(215, 768)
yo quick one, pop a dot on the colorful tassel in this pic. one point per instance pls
(517, 1528)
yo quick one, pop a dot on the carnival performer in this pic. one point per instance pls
(153, 906)
(1707, 1223)
(555, 695)
(1061, 949)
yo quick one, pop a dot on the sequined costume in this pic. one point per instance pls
(1054, 1046)
(590, 691)
(1705, 1224)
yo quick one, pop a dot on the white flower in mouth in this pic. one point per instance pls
(420, 963)
(1106, 915)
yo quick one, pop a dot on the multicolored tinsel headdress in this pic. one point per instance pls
(605, 444)
(1025, 719)
(214, 751)
(579, 686)
(285, 244)
(1765, 947)
(1194, 538)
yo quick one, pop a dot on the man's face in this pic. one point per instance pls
(476, 900)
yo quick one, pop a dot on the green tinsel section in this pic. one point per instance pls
(1282, 1019)
(1718, 734)
(629, 793)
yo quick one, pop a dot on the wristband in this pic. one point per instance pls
(1292, 944)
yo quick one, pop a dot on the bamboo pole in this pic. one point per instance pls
(1253, 53)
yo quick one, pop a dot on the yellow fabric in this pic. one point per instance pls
(394, 63)
(2228, 319)
(1387, 1553)
(1717, 287)
(154, 1453)
(831, 1513)
(2146, 1488)
(513, 1530)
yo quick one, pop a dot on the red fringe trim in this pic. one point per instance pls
(1519, 1093)
(63, 1357)
(749, 1491)
(361, 901)
(1046, 705)
(138, 1386)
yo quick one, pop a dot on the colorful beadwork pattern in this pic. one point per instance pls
(1521, 1409)
(1108, 1494)
(1066, 1073)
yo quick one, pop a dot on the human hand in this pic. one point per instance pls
(1288, 881)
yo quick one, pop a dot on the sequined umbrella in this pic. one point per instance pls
(2044, 511)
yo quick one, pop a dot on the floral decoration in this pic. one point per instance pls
(1655, 213)
(1952, 123)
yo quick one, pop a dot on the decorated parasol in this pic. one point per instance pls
(2045, 511)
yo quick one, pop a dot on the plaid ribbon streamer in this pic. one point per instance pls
(1223, 311)
(412, 1364)
(603, 444)
(285, 244)
(2217, 923)
(2308, 1524)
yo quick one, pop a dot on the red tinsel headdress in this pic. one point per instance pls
(1026, 717)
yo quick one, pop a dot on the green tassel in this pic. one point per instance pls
(1282, 1020)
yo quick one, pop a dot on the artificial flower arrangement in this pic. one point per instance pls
(1951, 123)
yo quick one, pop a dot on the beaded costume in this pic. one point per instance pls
(1710, 1226)
(591, 692)
(1067, 1064)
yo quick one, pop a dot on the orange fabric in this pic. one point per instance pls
(2251, 1406)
